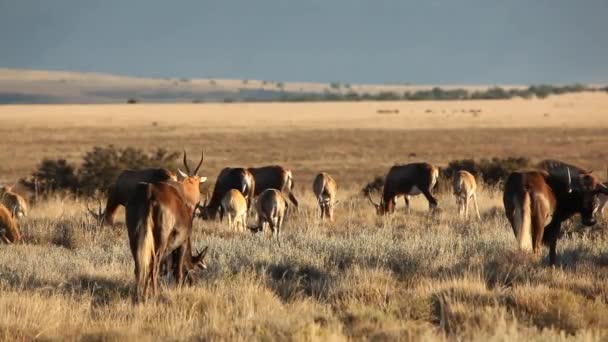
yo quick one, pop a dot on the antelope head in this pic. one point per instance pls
(191, 180)
(378, 205)
(98, 215)
(199, 259)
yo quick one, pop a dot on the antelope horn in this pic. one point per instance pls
(369, 197)
(6, 240)
(186, 163)
(91, 211)
(200, 163)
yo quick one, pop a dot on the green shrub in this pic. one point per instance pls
(52, 176)
(102, 165)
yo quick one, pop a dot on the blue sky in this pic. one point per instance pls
(381, 41)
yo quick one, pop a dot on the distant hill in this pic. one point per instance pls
(40, 86)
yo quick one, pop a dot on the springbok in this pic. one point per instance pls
(229, 178)
(274, 177)
(532, 198)
(159, 221)
(13, 202)
(407, 180)
(271, 208)
(9, 233)
(127, 181)
(234, 205)
(324, 187)
(465, 188)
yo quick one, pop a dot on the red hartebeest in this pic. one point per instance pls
(274, 177)
(229, 178)
(465, 187)
(159, 221)
(324, 187)
(127, 181)
(407, 180)
(533, 198)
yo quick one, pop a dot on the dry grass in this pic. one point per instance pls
(395, 278)
(398, 278)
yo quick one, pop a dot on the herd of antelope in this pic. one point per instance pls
(161, 206)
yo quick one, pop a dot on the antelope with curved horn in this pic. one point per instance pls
(14, 202)
(230, 178)
(127, 181)
(9, 233)
(325, 187)
(159, 221)
(234, 206)
(465, 186)
(274, 177)
(271, 208)
(531, 198)
(407, 180)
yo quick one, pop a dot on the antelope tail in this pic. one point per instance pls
(522, 220)
(289, 189)
(145, 250)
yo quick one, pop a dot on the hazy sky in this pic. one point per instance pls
(434, 41)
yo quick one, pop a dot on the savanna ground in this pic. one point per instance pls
(416, 276)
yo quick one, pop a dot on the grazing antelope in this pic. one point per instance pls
(159, 222)
(325, 188)
(9, 233)
(274, 177)
(13, 202)
(408, 180)
(534, 197)
(127, 181)
(465, 186)
(234, 205)
(191, 263)
(229, 178)
(271, 207)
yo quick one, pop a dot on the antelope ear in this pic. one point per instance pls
(182, 173)
(203, 179)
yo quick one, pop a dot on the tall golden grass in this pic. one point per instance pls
(402, 277)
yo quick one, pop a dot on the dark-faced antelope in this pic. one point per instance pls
(229, 178)
(465, 188)
(533, 198)
(271, 208)
(127, 181)
(325, 188)
(9, 233)
(159, 221)
(274, 177)
(13, 202)
(234, 206)
(407, 180)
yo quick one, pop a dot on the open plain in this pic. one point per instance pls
(404, 277)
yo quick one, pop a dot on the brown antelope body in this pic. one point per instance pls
(274, 177)
(234, 206)
(533, 198)
(229, 178)
(9, 233)
(465, 187)
(16, 204)
(127, 181)
(159, 221)
(324, 187)
(271, 208)
(407, 180)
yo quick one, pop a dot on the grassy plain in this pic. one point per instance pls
(405, 277)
